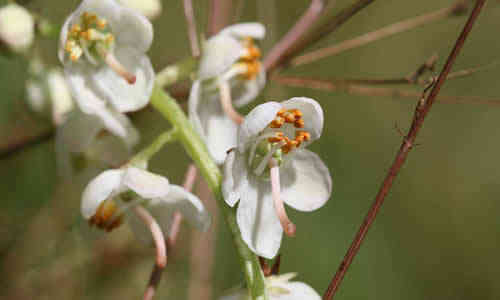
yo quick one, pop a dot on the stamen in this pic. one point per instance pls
(116, 66)
(105, 213)
(277, 123)
(227, 103)
(161, 250)
(299, 123)
(279, 206)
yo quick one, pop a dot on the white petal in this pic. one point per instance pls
(209, 119)
(248, 90)
(62, 103)
(123, 96)
(219, 53)
(133, 30)
(190, 206)
(306, 184)
(241, 30)
(79, 131)
(235, 177)
(99, 189)
(146, 184)
(296, 291)
(260, 227)
(149, 8)
(313, 114)
(255, 122)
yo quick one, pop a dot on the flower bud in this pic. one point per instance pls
(149, 8)
(16, 27)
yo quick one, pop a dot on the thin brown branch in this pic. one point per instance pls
(381, 33)
(365, 90)
(219, 15)
(318, 33)
(22, 142)
(421, 111)
(191, 24)
(278, 52)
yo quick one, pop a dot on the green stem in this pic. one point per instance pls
(176, 72)
(148, 152)
(195, 147)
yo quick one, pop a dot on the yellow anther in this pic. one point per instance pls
(281, 112)
(75, 29)
(296, 112)
(277, 138)
(85, 34)
(277, 123)
(70, 44)
(104, 214)
(102, 23)
(303, 134)
(75, 53)
(253, 68)
(110, 38)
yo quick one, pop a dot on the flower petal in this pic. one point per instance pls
(235, 177)
(255, 122)
(248, 90)
(260, 227)
(90, 103)
(220, 52)
(296, 291)
(133, 30)
(306, 184)
(209, 119)
(123, 96)
(190, 206)
(241, 30)
(146, 184)
(313, 114)
(99, 189)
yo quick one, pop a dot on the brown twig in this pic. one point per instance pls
(21, 143)
(279, 51)
(219, 15)
(376, 35)
(421, 111)
(191, 23)
(320, 32)
(362, 87)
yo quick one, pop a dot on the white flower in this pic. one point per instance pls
(229, 73)
(16, 27)
(49, 91)
(149, 8)
(109, 196)
(279, 287)
(270, 150)
(103, 49)
(83, 136)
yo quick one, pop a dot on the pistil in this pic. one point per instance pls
(279, 206)
(119, 69)
(227, 103)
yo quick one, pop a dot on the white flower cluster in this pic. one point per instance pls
(263, 155)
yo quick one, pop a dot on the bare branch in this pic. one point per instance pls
(320, 32)
(191, 23)
(421, 111)
(278, 52)
(366, 90)
(381, 33)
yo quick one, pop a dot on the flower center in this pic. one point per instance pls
(250, 60)
(284, 134)
(105, 218)
(92, 38)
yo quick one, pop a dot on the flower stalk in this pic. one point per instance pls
(197, 150)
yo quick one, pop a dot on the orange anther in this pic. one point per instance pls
(299, 123)
(289, 117)
(277, 123)
(281, 112)
(296, 112)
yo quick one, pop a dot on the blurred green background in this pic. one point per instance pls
(437, 236)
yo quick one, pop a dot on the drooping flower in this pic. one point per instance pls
(270, 165)
(149, 8)
(48, 93)
(17, 27)
(103, 49)
(278, 287)
(109, 197)
(83, 138)
(230, 72)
